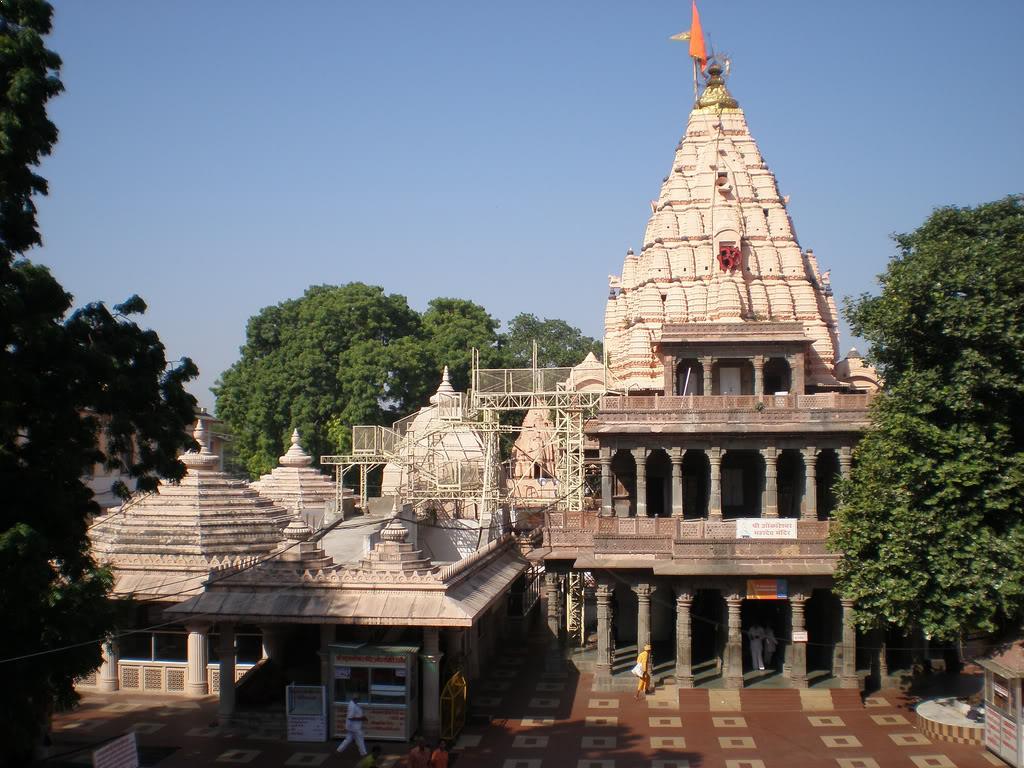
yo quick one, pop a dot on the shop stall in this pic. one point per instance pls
(384, 680)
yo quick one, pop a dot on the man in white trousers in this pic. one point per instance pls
(756, 636)
(354, 720)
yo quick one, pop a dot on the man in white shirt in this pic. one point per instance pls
(354, 727)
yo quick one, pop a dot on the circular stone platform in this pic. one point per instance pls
(945, 718)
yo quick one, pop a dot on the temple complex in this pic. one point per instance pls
(735, 418)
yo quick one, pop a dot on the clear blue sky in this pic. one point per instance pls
(217, 157)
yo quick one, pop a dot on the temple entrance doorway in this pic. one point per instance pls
(769, 616)
(707, 622)
(824, 631)
(776, 376)
(624, 619)
(663, 630)
(659, 479)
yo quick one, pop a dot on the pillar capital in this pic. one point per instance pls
(605, 591)
(684, 598)
(640, 454)
(715, 454)
(847, 604)
(810, 452)
(770, 453)
(643, 590)
(677, 455)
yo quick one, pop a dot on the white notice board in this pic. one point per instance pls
(765, 528)
(122, 752)
(306, 707)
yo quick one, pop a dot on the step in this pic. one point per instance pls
(847, 698)
(772, 700)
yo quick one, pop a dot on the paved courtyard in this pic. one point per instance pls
(533, 711)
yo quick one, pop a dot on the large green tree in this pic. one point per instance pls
(558, 343)
(76, 389)
(931, 525)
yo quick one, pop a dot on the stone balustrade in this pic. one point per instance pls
(668, 537)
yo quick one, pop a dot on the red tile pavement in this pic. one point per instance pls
(575, 724)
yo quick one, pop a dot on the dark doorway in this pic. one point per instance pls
(624, 486)
(659, 479)
(742, 472)
(824, 631)
(777, 376)
(689, 377)
(791, 483)
(768, 615)
(826, 476)
(696, 480)
(707, 622)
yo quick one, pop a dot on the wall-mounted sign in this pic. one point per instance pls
(765, 528)
(799, 635)
(343, 673)
(767, 589)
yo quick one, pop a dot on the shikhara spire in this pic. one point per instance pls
(719, 247)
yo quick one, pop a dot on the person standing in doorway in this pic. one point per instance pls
(354, 719)
(756, 637)
(642, 670)
(770, 644)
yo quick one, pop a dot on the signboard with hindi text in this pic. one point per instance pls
(765, 528)
(767, 589)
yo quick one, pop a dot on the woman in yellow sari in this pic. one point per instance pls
(643, 667)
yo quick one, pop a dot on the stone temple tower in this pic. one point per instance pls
(719, 247)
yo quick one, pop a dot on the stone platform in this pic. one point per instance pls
(945, 718)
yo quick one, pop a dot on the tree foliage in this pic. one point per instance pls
(930, 525)
(79, 389)
(558, 343)
(352, 354)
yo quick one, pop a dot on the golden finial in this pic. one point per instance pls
(716, 97)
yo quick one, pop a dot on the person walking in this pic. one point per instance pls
(770, 645)
(354, 719)
(756, 637)
(642, 669)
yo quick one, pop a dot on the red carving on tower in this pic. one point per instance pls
(729, 257)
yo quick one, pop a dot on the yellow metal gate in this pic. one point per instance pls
(453, 706)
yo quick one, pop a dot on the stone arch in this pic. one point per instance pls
(696, 484)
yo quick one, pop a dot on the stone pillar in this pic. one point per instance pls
(797, 373)
(771, 481)
(670, 375)
(640, 456)
(848, 673)
(715, 492)
(845, 461)
(198, 658)
(605, 597)
(733, 662)
(677, 454)
(327, 636)
(759, 376)
(684, 639)
(643, 614)
(606, 485)
(707, 363)
(227, 670)
(431, 658)
(798, 651)
(809, 509)
(551, 583)
(108, 679)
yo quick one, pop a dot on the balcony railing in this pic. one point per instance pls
(830, 401)
(668, 537)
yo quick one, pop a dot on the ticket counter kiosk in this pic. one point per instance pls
(385, 680)
(1003, 708)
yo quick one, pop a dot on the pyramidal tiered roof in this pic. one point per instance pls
(157, 541)
(719, 248)
(294, 483)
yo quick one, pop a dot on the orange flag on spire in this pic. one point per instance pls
(697, 50)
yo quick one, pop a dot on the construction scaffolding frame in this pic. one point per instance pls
(432, 477)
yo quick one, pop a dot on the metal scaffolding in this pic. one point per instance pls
(432, 477)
